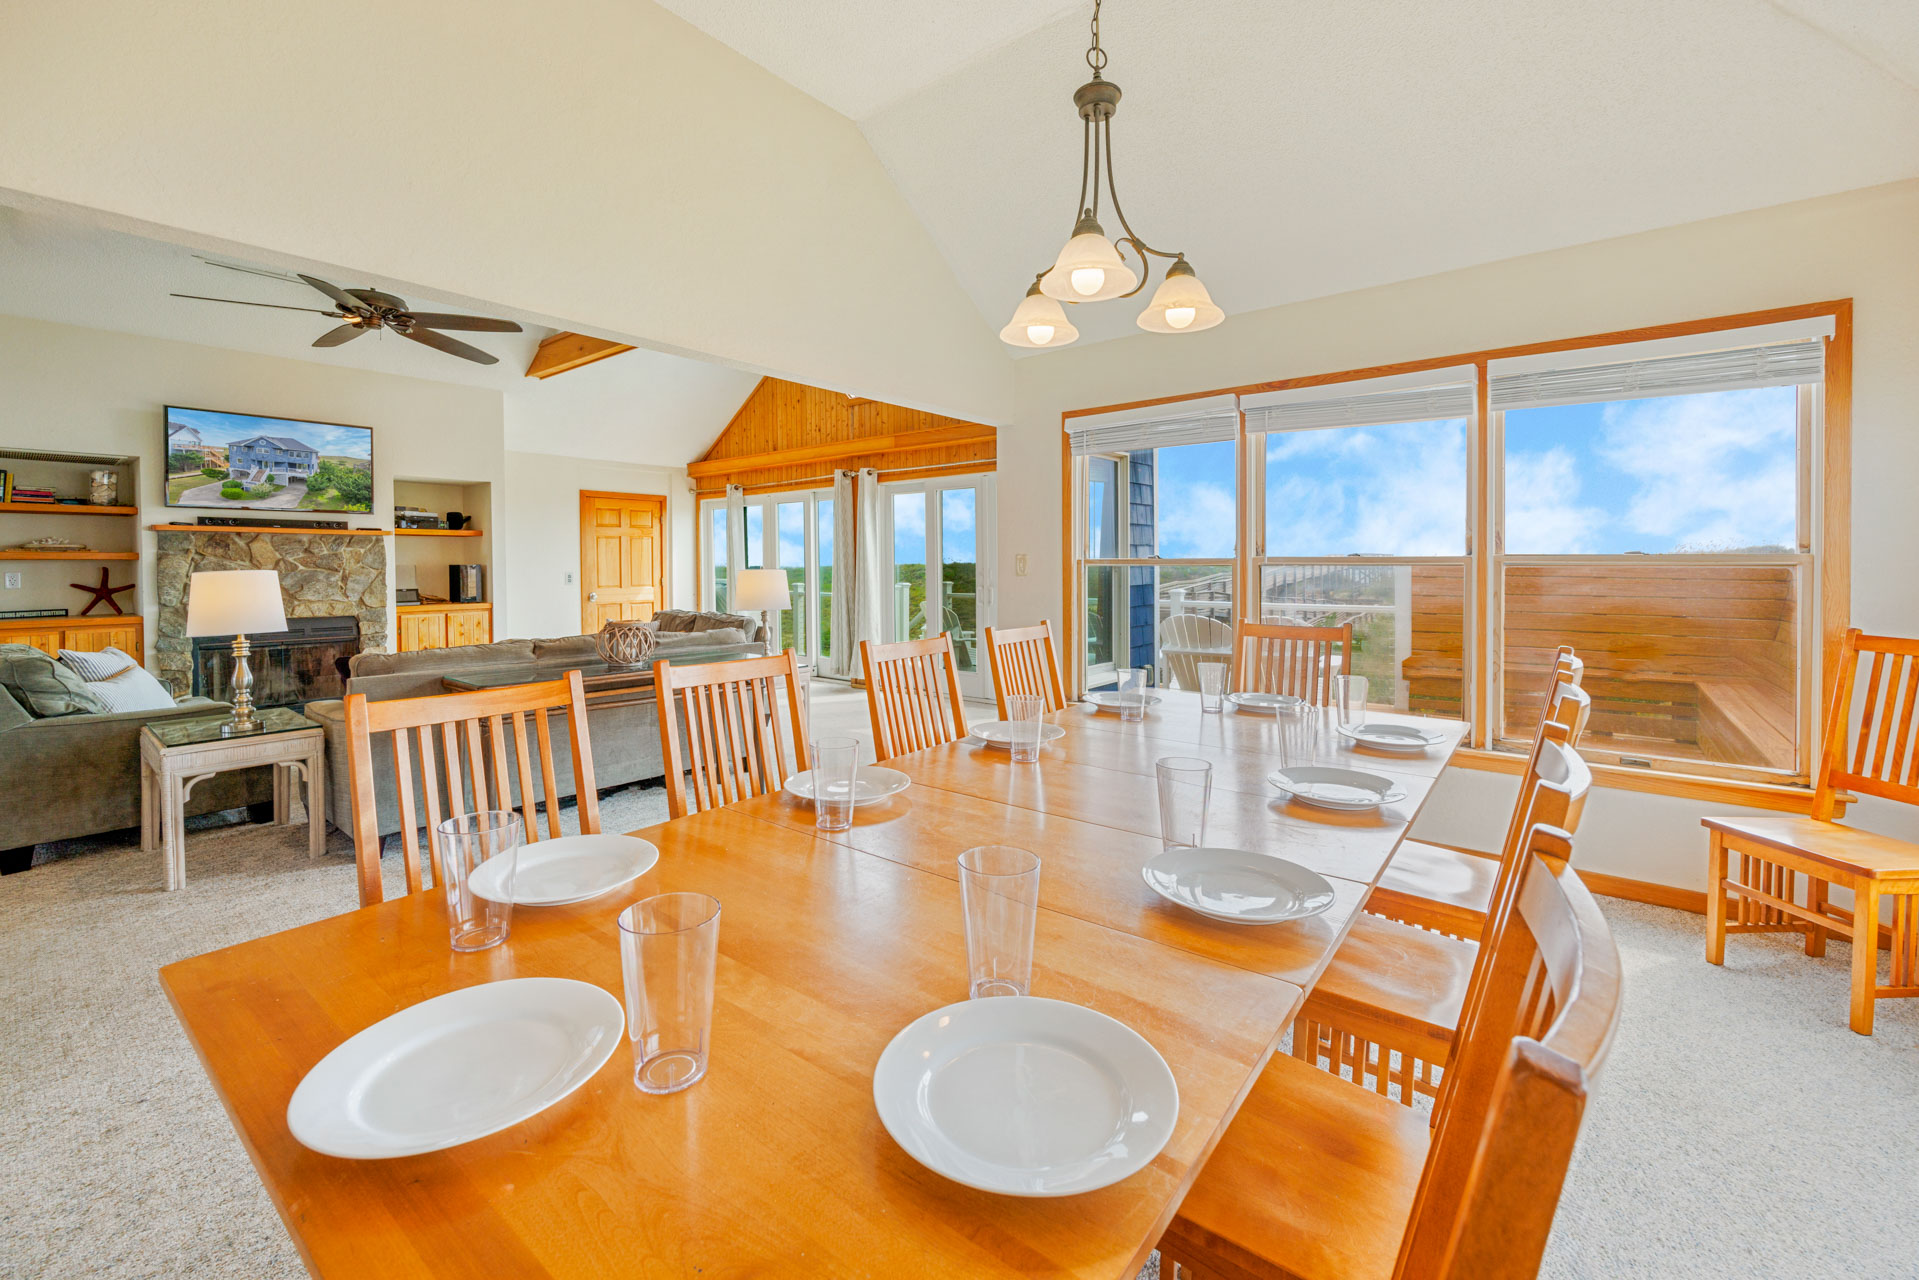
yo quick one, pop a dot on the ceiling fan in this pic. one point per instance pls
(364, 309)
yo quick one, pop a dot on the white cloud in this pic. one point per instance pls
(1198, 520)
(1710, 471)
(1388, 490)
(1543, 515)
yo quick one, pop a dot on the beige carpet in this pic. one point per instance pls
(1741, 1131)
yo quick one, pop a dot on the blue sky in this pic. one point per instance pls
(225, 428)
(958, 534)
(1678, 473)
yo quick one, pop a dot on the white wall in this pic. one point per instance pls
(1863, 245)
(87, 390)
(542, 554)
(599, 162)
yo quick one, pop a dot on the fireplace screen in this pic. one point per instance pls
(291, 668)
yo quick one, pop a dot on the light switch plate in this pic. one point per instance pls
(13, 582)
(1019, 565)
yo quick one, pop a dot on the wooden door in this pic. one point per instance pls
(622, 557)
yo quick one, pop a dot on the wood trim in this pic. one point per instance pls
(303, 529)
(1483, 560)
(1834, 553)
(436, 533)
(1750, 795)
(65, 509)
(825, 480)
(1684, 328)
(899, 442)
(69, 555)
(1069, 573)
(1657, 895)
(564, 351)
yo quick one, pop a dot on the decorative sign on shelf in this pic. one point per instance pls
(102, 594)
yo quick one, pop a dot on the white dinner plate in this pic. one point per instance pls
(1393, 737)
(999, 733)
(1025, 1096)
(565, 869)
(1336, 788)
(870, 785)
(455, 1068)
(1238, 887)
(1262, 703)
(1108, 699)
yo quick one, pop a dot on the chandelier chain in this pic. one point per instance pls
(1096, 56)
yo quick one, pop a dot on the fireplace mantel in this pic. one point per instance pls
(304, 530)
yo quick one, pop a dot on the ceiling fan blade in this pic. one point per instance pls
(334, 337)
(334, 292)
(477, 324)
(200, 297)
(452, 346)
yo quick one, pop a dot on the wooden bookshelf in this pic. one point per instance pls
(65, 509)
(69, 555)
(436, 533)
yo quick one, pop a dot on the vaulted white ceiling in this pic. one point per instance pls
(1295, 149)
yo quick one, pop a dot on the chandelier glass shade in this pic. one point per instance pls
(1094, 268)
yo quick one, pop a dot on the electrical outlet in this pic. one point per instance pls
(13, 581)
(1019, 565)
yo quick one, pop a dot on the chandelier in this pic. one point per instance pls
(1090, 268)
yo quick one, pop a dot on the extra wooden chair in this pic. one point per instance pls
(471, 752)
(1878, 758)
(911, 711)
(1317, 1180)
(734, 747)
(1024, 661)
(1302, 661)
(1392, 998)
(1448, 889)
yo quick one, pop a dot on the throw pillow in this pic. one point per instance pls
(42, 685)
(12, 714)
(104, 665)
(134, 689)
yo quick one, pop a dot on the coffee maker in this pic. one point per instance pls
(466, 583)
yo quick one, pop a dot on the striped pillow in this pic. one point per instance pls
(104, 665)
(133, 689)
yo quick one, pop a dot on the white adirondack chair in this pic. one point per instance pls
(1188, 639)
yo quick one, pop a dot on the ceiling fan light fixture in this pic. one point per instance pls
(1181, 304)
(1038, 321)
(1089, 268)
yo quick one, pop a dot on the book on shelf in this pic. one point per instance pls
(6, 485)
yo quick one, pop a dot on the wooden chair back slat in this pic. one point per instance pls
(1529, 1054)
(1878, 756)
(734, 746)
(912, 694)
(1024, 661)
(452, 736)
(1301, 661)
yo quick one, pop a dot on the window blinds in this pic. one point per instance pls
(1418, 397)
(1780, 355)
(1208, 420)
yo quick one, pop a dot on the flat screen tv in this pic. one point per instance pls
(241, 462)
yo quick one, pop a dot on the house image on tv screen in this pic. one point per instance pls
(280, 459)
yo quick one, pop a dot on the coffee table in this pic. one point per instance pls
(178, 755)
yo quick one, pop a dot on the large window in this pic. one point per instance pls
(792, 532)
(1656, 504)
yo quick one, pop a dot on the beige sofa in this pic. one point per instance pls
(625, 738)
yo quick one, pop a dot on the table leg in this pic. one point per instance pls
(282, 793)
(173, 830)
(1865, 954)
(1716, 901)
(316, 803)
(147, 807)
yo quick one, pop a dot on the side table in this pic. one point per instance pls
(177, 755)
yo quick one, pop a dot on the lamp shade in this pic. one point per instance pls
(230, 602)
(1088, 269)
(1039, 321)
(1180, 304)
(762, 589)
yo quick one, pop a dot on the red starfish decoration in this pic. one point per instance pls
(102, 594)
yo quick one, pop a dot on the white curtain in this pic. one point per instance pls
(735, 540)
(845, 658)
(869, 593)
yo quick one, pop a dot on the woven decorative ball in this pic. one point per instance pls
(624, 644)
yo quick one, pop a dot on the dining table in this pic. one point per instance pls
(777, 1163)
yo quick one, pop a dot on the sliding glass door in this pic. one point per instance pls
(939, 534)
(792, 532)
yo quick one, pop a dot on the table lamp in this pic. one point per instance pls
(765, 590)
(235, 602)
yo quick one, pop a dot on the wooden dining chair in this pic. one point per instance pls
(1024, 661)
(1445, 888)
(1880, 757)
(1317, 1180)
(1389, 1005)
(734, 746)
(911, 709)
(1302, 661)
(456, 748)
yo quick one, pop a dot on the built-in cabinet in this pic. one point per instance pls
(444, 626)
(83, 635)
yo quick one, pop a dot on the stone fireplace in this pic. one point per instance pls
(322, 575)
